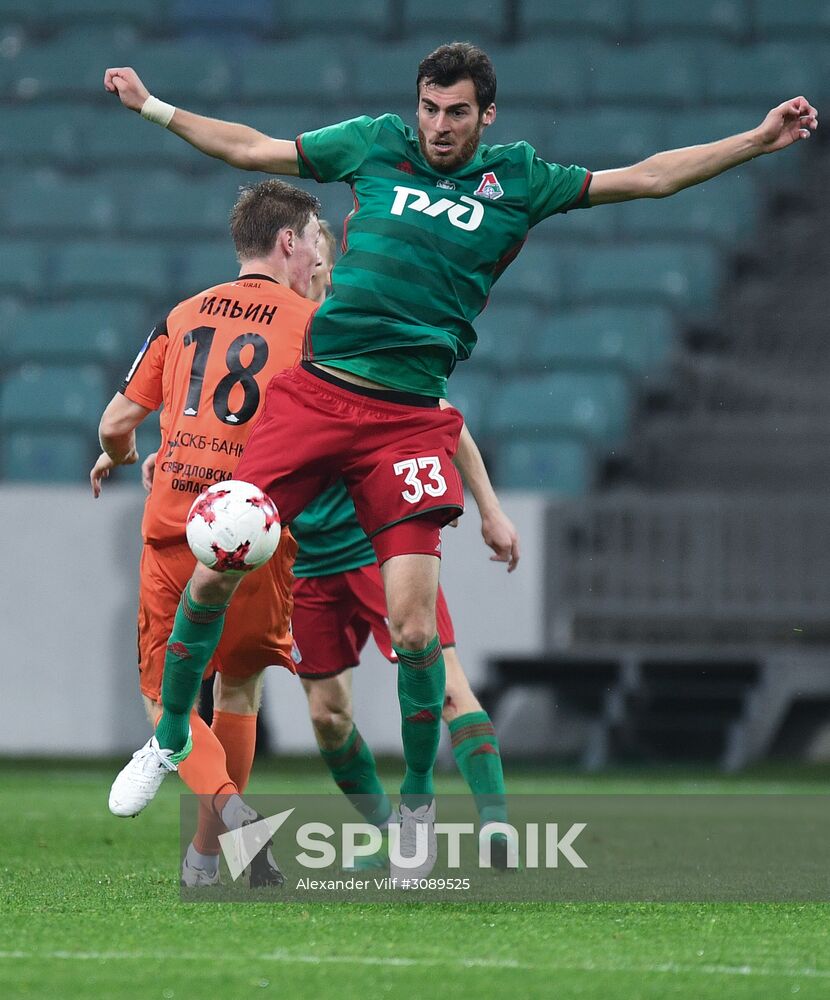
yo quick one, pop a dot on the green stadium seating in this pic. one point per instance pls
(468, 19)
(602, 16)
(760, 75)
(57, 69)
(555, 71)
(188, 69)
(86, 267)
(47, 134)
(205, 265)
(563, 465)
(727, 18)
(105, 330)
(515, 124)
(723, 209)
(63, 456)
(656, 73)
(535, 275)
(637, 341)
(804, 18)
(594, 406)
(212, 18)
(359, 17)
(65, 395)
(386, 72)
(167, 202)
(678, 275)
(148, 14)
(112, 137)
(22, 265)
(303, 69)
(505, 331)
(471, 391)
(49, 202)
(605, 137)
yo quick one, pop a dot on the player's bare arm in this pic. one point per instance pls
(669, 172)
(238, 145)
(497, 530)
(116, 432)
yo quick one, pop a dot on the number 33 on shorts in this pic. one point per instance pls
(421, 475)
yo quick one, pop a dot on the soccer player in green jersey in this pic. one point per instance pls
(339, 601)
(438, 216)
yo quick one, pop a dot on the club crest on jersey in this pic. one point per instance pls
(445, 184)
(489, 187)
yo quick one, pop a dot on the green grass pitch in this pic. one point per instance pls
(89, 907)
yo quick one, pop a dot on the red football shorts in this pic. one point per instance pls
(333, 616)
(394, 451)
(257, 631)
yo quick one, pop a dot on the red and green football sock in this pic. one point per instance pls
(197, 629)
(354, 770)
(421, 683)
(476, 751)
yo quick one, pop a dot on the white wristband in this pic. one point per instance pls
(157, 111)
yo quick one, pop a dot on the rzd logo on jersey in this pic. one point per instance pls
(467, 215)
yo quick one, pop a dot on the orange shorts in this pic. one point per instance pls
(257, 632)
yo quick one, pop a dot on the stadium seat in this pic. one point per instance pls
(56, 68)
(460, 19)
(175, 204)
(205, 265)
(212, 18)
(22, 265)
(49, 202)
(535, 275)
(727, 18)
(760, 74)
(106, 330)
(111, 136)
(187, 70)
(125, 266)
(514, 124)
(678, 275)
(594, 406)
(63, 456)
(724, 208)
(656, 73)
(386, 74)
(602, 16)
(554, 70)
(362, 18)
(45, 134)
(505, 332)
(563, 465)
(471, 391)
(605, 138)
(54, 394)
(773, 19)
(636, 341)
(148, 15)
(303, 70)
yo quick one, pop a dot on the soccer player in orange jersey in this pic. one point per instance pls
(208, 363)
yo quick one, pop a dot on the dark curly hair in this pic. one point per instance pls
(460, 61)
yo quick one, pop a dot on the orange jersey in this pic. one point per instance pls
(209, 364)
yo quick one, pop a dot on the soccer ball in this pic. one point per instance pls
(233, 527)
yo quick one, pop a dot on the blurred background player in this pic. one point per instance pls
(339, 600)
(208, 364)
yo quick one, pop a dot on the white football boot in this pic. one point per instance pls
(137, 783)
(195, 877)
(415, 825)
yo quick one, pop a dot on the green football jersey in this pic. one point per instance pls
(329, 536)
(423, 248)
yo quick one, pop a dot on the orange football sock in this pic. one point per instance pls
(237, 734)
(205, 772)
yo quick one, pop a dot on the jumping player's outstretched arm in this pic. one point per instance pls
(497, 530)
(238, 145)
(667, 173)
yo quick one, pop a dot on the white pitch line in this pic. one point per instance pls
(672, 968)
